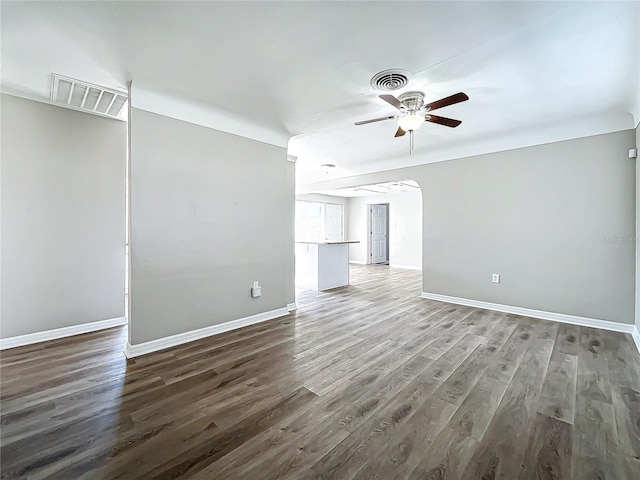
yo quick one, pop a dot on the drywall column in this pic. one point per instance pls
(637, 240)
(63, 220)
(211, 212)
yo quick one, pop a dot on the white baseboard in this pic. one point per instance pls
(186, 337)
(406, 267)
(636, 337)
(357, 262)
(63, 332)
(556, 317)
(292, 306)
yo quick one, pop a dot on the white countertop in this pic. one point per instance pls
(330, 243)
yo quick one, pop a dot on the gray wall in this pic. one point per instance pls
(551, 219)
(405, 227)
(63, 217)
(211, 212)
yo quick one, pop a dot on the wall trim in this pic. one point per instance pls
(357, 262)
(636, 337)
(292, 306)
(555, 317)
(37, 337)
(405, 267)
(131, 351)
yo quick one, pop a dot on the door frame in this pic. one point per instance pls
(341, 205)
(369, 235)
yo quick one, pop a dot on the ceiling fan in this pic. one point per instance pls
(414, 112)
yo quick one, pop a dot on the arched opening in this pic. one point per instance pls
(382, 220)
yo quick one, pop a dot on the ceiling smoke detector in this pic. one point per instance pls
(389, 80)
(89, 98)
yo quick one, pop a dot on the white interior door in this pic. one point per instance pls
(378, 233)
(333, 222)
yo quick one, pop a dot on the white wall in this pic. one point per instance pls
(551, 219)
(315, 197)
(211, 212)
(63, 217)
(405, 227)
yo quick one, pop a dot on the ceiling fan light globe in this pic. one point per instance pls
(410, 122)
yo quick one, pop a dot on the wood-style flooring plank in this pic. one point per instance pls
(558, 396)
(502, 448)
(548, 454)
(367, 381)
(595, 440)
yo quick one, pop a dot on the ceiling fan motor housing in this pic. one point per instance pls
(412, 101)
(414, 112)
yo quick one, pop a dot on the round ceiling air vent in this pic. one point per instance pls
(327, 167)
(389, 80)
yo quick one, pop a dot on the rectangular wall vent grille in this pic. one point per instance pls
(88, 98)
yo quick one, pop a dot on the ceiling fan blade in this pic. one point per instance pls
(445, 102)
(400, 132)
(449, 122)
(392, 100)
(375, 120)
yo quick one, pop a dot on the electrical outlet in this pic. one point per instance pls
(495, 277)
(256, 290)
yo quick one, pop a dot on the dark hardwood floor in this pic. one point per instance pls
(368, 381)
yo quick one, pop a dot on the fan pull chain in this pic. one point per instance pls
(410, 142)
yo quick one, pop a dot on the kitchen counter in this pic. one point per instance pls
(322, 265)
(329, 243)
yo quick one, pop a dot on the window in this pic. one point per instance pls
(319, 222)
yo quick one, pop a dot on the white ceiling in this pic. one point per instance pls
(535, 72)
(384, 188)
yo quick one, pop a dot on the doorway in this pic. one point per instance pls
(378, 244)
